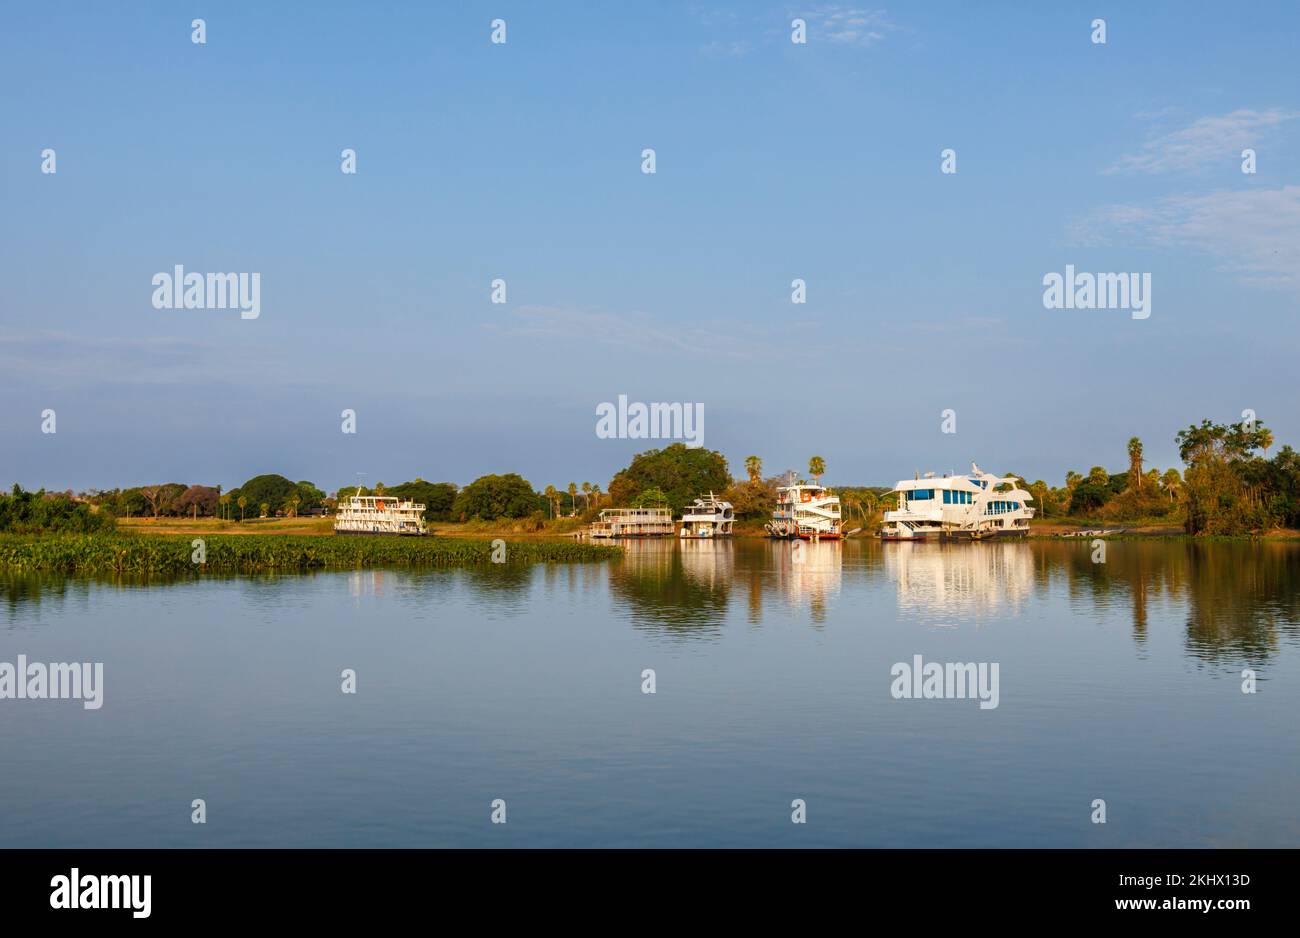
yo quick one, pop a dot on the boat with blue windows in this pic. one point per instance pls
(971, 507)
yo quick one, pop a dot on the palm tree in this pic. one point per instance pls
(586, 494)
(573, 498)
(379, 488)
(1265, 437)
(243, 503)
(851, 503)
(754, 468)
(816, 468)
(225, 505)
(872, 502)
(292, 505)
(551, 495)
(264, 507)
(595, 493)
(1172, 483)
(1135, 463)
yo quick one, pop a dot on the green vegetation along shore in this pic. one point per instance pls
(1230, 486)
(108, 553)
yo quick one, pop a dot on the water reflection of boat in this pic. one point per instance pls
(675, 586)
(946, 579)
(809, 571)
(708, 562)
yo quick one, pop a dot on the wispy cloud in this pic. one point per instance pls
(1208, 140)
(1255, 234)
(735, 47)
(85, 359)
(848, 25)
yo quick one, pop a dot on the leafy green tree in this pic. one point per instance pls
(653, 497)
(495, 496)
(308, 495)
(273, 489)
(682, 472)
(1228, 489)
(23, 512)
(436, 497)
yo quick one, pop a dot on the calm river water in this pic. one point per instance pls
(1119, 681)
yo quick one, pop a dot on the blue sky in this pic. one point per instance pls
(522, 161)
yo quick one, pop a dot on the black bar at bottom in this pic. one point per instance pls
(534, 886)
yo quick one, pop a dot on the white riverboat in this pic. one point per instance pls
(980, 505)
(633, 522)
(709, 516)
(805, 511)
(380, 514)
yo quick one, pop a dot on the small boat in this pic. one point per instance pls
(708, 517)
(380, 515)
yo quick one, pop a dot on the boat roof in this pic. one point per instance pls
(959, 483)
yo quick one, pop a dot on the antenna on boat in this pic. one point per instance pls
(359, 475)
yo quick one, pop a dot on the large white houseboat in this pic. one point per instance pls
(379, 514)
(709, 516)
(633, 522)
(980, 505)
(805, 510)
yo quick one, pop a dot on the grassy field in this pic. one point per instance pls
(176, 553)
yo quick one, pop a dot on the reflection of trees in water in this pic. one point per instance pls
(1240, 597)
(24, 591)
(1243, 599)
(678, 588)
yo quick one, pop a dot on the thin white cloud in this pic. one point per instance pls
(735, 48)
(848, 25)
(1208, 140)
(1254, 233)
(87, 359)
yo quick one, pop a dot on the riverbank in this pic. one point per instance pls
(568, 528)
(179, 554)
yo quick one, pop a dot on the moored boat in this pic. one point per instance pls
(978, 506)
(805, 510)
(708, 517)
(380, 515)
(633, 522)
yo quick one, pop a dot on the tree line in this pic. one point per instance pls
(1229, 486)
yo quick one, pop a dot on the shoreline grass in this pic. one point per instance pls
(163, 553)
